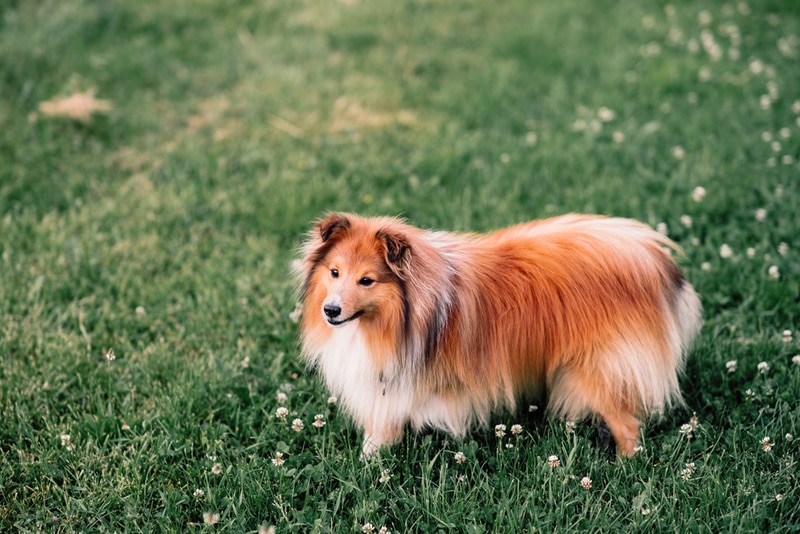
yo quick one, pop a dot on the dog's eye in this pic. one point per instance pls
(366, 282)
(334, 273)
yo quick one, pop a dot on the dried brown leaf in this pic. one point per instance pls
(78, 106)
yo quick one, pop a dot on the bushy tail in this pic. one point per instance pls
(688, 312)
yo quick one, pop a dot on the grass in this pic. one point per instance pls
(145, 290)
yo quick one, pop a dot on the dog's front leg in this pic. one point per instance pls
(378, 435)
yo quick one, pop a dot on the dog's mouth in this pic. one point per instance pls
(334, 322)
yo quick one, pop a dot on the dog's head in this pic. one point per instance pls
(353, 268)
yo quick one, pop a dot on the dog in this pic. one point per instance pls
(439, 330)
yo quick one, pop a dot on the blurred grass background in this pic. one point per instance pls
(162, 232)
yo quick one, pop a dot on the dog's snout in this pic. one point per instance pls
(332, 310)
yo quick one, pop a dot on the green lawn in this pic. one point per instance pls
(146, 290)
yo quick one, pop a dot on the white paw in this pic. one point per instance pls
(369, 448)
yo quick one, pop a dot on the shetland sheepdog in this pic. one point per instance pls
(438, 330)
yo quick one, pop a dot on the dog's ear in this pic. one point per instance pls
(396, 249)
(333, 224)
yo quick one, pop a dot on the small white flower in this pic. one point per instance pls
(688, 471)
(319, 420)
(586, 483)
(516, 429)
(531, 138)
(699, 193)
(796, 359)
(788, 437)
(281, 413)
(210, 519)
(109, 355)
(605, 114)
(509, 445)
(766, 444)
(763, 367)
(772, 90)
(750, 394)
(618, 137)
(785, 133)
(774, 272)
(66, 441)
(532, 408)
(199, 493)
(686, 220)
(278, 460)
(662, 228)
(553, 461)
(385, 476)
(384, 530)
(787, 159)
(332, 399)
(704, 17)
(367, 528)
(678, 152)
(246, 362)
(570, 427)
(694, 421)
(751, 252)
(783, 248)
(500, 430)
(650, 49)
(766, 136)
(217, 469)
(731, 366)
(282, 398)
(725, 251)
(779, 497)
(675, 36)
(460, 457)
(787, 336)
(686, 430)
(140, 311)
(705, 266)
(645, 511)
(297, 425)
(761, 215)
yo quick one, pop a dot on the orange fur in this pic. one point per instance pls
(440, 329)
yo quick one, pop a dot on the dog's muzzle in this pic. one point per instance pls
(333, 312)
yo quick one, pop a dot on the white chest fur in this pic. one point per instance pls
(370, 395)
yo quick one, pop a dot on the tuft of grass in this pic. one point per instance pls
(147, 335)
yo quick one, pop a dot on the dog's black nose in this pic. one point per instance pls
(332, 310)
